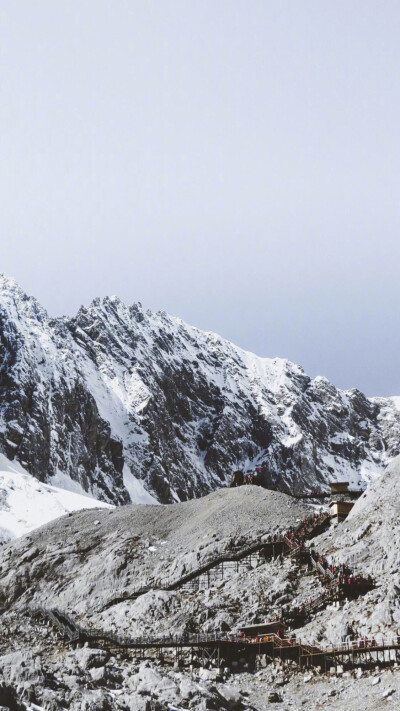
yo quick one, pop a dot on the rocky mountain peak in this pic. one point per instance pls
(18, 303)
(122, 401)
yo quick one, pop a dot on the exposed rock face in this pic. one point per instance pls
(50, 421)
(117, 398)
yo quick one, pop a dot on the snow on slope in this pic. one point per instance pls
(26, 503)
(138, 406)
(288, 412)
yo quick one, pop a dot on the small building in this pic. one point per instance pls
(342, 500)
(340, 509)
(262, 629)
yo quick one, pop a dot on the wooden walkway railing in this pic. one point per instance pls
(286, 648)
(74, 632)
(208, 562)
(212, 560)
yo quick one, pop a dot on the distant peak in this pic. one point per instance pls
(12, 293)
(101, 306)
(10, 284)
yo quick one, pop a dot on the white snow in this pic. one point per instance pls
(396, 401)
(63, 481)
(26, 503)
(124, 377)
(136, 490)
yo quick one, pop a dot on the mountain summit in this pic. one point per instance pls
(131, 405)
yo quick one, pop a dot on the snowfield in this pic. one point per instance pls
(27, 504)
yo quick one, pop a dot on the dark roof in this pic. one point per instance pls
(339, 486)
(263, 627)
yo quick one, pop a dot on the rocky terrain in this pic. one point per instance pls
(84, 559)
(91, 563)
(94, 680)
(131, 405)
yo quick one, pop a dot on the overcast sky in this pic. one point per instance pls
(235, 163)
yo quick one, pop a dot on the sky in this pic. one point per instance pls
(236, 163)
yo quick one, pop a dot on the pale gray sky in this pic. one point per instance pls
(234, 162)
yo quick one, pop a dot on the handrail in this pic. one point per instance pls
(170, 582)
(380, 643)
(70, 629)
(236, 553)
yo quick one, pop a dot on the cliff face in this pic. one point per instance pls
(50, 422)
(119, 398)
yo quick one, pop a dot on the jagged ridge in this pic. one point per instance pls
(119, 398)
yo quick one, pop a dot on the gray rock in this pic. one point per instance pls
(230, 695)
(274, 697)
(87, 658)
(98, 674)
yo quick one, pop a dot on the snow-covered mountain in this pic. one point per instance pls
(135, 405)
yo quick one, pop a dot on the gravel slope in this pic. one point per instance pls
(80, 561)
(99, 552)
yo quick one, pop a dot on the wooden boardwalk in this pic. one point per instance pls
(226, 648)
(231, 647)
(237, 558)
